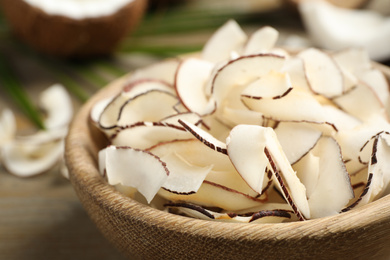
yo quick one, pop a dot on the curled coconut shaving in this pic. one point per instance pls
(29, 155)
(247, 132)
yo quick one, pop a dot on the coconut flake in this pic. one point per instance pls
(135, 168)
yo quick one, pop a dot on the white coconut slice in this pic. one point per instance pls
(144, 107)
(297, 138)
(295, 69)
(227, 39)
(190, 83)
(353, 59)
(26, 159)
(98, 109)
(8, 127)
(369, 103)
(241, 72)
(333, 190)
(193, 118)
(184, 178)
(233, 117)
(322, 72)
(250, 159)
(57, 105)
(307, 169)
(144, 85)
(262, 40)
(134, 168)
(264, 216)
(377, 82)
(144, 135)
(204, 137)
(214, 195)
(273, 85)
(190, 149)
(163, 71)
(340, 119)
(337, 28)
(298, 105)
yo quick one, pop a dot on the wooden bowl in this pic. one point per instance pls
(143, 232)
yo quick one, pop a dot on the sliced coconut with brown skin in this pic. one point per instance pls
(98, 109)
(162, 71)
(7, 126)
(227, 39)
(144, 107)
(134, 168)
(262, 40)
(193, 118)
(234, 117)
(57, 105)
(251, 149)
(340, 119)
(72, 28)
(297, 138)
(190, 83)
(184, 178)
(336, 28)
(204, 137)
(241, 72)
(26, 159)
(369, 102)
(297, 105)
(378, 177)
(333, 190)
(272, 85)
(264, 216)
(190, 150)
(323, 74)
(215, 195)
(143, 135)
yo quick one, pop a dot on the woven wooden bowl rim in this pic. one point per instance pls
(139, 230)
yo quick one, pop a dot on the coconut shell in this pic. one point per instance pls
(67, 37)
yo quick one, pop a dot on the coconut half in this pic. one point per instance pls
(72, 28)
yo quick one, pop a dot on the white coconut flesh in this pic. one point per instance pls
(29, 155)
(240, 128)
(77, 9)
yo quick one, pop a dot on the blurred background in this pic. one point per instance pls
(40, 216)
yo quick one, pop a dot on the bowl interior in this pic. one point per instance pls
(144, 232)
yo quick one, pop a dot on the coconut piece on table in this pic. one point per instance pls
(7, 126)
(135, 168)
(34, 154)
(57, 105)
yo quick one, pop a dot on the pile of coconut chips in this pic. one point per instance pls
(248, 132)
